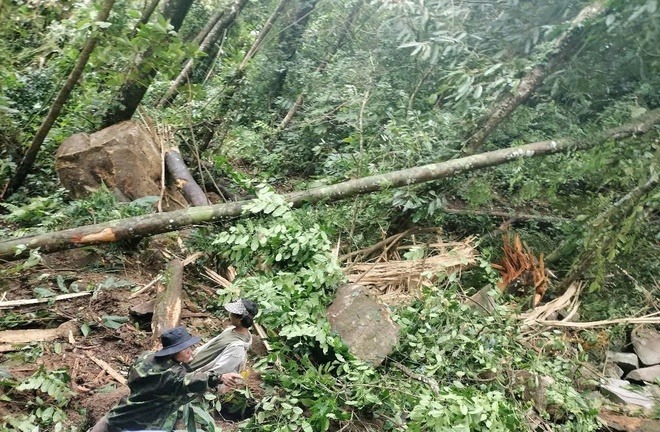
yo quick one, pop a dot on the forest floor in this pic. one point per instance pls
(116, 336)
(94, 388)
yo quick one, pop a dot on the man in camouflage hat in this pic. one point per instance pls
(160, 383)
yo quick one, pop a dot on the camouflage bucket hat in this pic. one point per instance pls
(176, 340)
(243, 307)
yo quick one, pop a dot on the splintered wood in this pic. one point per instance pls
(400, 280)
(544, 315)
(521, 269)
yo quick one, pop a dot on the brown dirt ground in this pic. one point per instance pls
(95, 390)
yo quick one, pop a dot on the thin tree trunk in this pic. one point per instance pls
(175, 12)
(256, 45)
(232, 83)
(25, 166)
(218, 29)
(623, 203)
(321, 67)
(509, 215)
(289, 41)
(135, 87)
(145, 16)
(210, 25)
(533, 80)
(147, 225)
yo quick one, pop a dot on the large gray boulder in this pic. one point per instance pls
(123, 157)
(646, 342)
(363, 323)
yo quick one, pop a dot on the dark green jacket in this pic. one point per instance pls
(159, 386)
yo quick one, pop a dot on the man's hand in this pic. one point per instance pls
(231, 379)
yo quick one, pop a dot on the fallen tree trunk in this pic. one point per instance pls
(183, 180)
(27, 302)
(147, 225)
(11, 340)
(167, 309)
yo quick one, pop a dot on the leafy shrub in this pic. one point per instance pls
(47, 394)
(42, 214)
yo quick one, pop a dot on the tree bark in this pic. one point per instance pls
(135, 87)
(217, 30)
(25, 166)
(256, 45)
(534, 79)
(167, 308)
(321, 67)
(289, 41)
(183, 180)
(147, 225)
(145, 16)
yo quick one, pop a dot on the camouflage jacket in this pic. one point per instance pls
(159, 386)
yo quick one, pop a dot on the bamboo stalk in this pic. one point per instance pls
(14, 303)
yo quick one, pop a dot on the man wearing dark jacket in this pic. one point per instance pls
(160, 383)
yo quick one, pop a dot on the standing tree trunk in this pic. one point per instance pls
(39, 137)
(233, 82)
(145, 16)
(321, 67)
(562, 49)
(289, 41)
(135, 87)
(620, 208)
(157, 223)
(256, 45)
(217, 31)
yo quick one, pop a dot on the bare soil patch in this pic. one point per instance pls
(112, 283)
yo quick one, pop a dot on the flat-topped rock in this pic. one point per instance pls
(618, 391)
(648, 374)
(626, 361)
(363, 323)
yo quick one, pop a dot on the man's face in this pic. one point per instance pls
(184, 356)
(235, 319)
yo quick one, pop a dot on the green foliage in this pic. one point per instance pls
(441, 338)
(403, 84)
(41, 212)
(465, 409)
(47, 394)
(284, 240)
(445, 339)
(52, 212)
